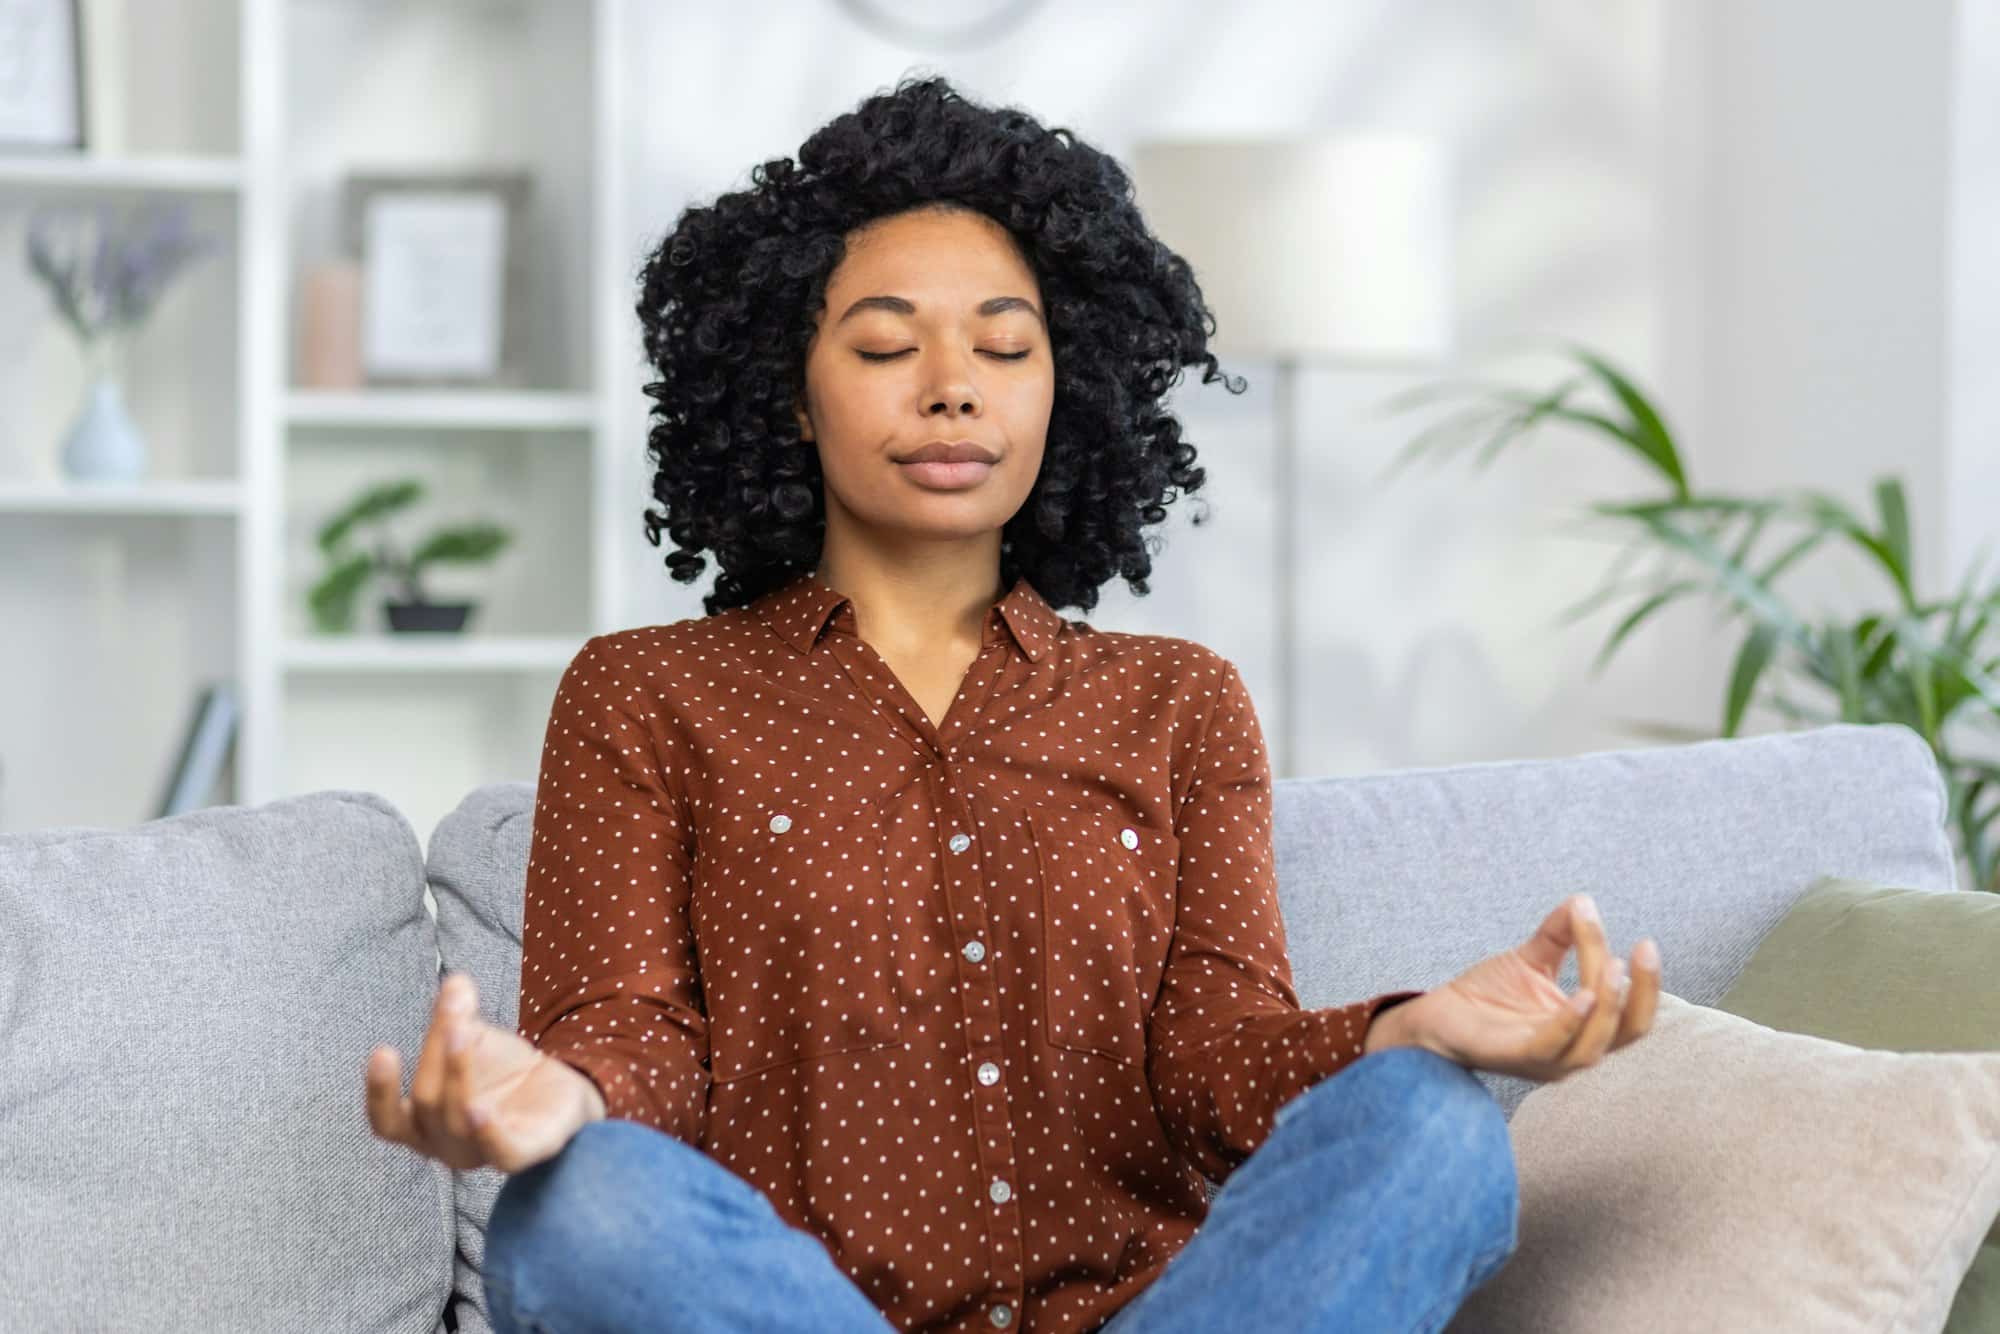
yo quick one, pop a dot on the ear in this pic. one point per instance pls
(805, 422)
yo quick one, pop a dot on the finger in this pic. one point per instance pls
(1551, 943)
(427, 1087)
(1602, 1025)
(1644, 1000)
(1593, 970)
(460, 1055)
(388, 1109)
(1557, 1035)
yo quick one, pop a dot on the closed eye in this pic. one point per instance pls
(891, 356)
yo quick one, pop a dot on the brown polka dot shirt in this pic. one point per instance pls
(976, 1004)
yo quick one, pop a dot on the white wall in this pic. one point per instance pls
(1972, 440)
(1815, 319)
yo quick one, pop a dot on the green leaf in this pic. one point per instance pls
(1790, 555)
(1649, 429)
(467, 545)
(1431, 391)
(1847, 670)
(1638, 615)
(1876, 644)
(1439, 437)
(1895, 523)
(1750, 662)
(1827, 512)
(331, 600)
(1922, 686)
(373, 504)
(1734, 580)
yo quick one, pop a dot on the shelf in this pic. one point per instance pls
(450, 409)
(163, 497)
(423, 652)
(141, 172)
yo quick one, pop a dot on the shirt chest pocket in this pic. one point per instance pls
(796, 938)
(1107, 888)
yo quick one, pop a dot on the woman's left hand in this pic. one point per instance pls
(1507, 1014)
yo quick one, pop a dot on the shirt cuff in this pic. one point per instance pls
(1342, 1030)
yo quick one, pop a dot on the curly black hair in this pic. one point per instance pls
(729, 299)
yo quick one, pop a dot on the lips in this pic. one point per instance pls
(946, 476)
(955, 451)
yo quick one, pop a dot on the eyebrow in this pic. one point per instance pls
(897, 305)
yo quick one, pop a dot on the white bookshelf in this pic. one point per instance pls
(208, 560)
(190, 173)
(162, 498)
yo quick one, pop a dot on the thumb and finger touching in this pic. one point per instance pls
(474, 1099)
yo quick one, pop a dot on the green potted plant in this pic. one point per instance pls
(332, 598)
(1931, 665)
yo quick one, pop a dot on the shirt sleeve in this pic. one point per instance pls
(1227, 1042)
(609, 982)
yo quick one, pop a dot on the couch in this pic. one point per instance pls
(189, 1003)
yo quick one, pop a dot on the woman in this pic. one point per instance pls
(898, 953)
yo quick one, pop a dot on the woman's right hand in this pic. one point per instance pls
(482, 1095)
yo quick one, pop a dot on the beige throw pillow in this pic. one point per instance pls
(1721, 1175)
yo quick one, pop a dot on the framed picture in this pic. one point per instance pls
(41, 75)
(443, 274)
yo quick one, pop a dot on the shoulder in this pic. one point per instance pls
(660, 667)
(1184, 676)
(1183, 659)
(650, 649)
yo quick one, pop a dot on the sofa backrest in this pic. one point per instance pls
(1408, 877)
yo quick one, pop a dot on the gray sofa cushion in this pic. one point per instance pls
(478, 868)
(187, 1008)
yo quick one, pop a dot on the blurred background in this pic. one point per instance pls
(321, 432)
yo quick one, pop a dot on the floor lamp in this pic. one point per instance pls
(1329, 251)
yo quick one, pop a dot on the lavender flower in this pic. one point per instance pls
(129, 265)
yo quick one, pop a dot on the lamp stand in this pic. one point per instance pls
(1284, 487)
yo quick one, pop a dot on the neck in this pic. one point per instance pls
(916, 609)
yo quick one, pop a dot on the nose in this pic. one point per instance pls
(953, 389)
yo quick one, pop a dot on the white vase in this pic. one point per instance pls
(104, 444)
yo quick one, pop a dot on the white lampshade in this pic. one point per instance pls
(1332, 248)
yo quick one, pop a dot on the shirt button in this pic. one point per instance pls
(960, 842)
(974, 950)
(1000, 1192)
(988, 1072)
(1001, 1316)
(1129, 837)
(780, 823)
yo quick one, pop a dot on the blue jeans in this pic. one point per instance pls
(1381, 1198)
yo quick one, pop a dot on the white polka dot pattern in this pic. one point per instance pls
(977, 1000)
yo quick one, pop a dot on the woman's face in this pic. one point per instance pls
(933, 331)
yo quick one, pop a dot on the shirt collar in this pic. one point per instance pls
(803, 607)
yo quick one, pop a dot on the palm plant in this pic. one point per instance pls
(1930, 665)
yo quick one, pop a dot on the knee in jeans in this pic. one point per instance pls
(1454, 1126)
(550, 1210)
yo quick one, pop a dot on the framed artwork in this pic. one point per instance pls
(443, 261)
(41, 76)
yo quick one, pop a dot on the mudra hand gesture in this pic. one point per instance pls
(482, 1095)
(1507, 1014)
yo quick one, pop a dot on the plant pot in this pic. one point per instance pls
(435, 617)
